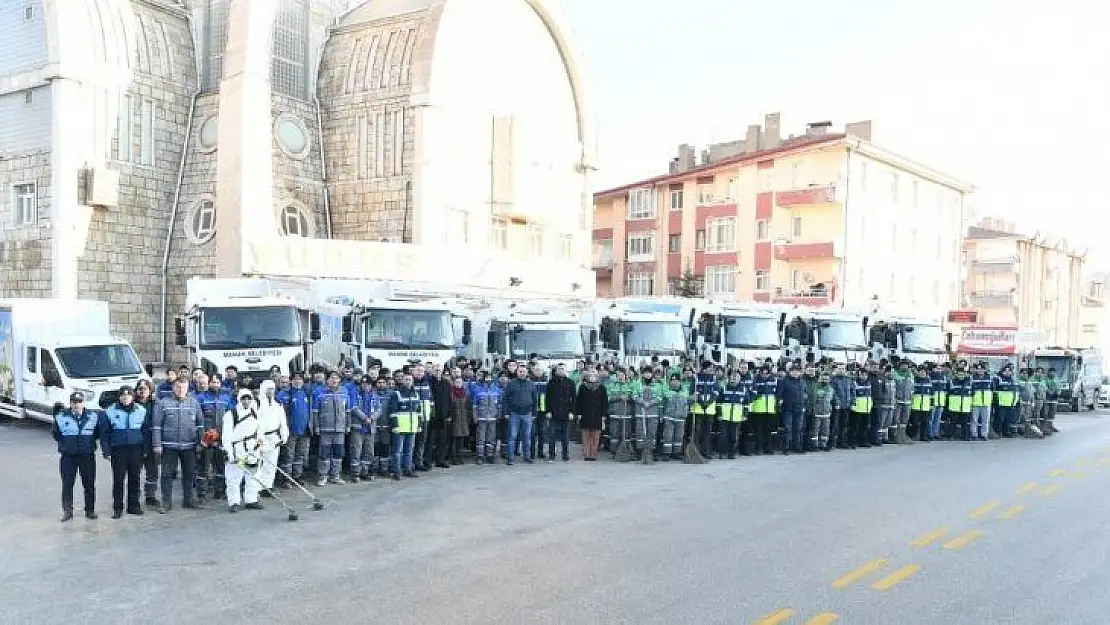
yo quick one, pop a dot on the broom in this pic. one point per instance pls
(690, 452)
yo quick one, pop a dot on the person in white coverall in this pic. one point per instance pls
(242, 441)
(275, 431)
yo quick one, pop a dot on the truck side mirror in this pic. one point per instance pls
(180, 338)
(348, 329)
(149, 368)
(314, 326)
(491, 342)
(593, 341)
(468, 331)
(948, 341)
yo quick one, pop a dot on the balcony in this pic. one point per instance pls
(602, 264)
(1006, 265)
(820, 194)
(786, 250)
(993, 299)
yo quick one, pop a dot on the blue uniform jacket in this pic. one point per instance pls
(369, 403)
(214, 405)
(77, 435)
(298, 409)
(164, 390)
(124, 427)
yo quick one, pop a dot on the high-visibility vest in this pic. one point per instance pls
(959, 396)
(1005, 392)
(764, 396)
(940, 389)
(981, 391)
(922, 395)
(732, 404)
(408, 415)
(862, 403)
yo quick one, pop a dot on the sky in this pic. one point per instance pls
(1013, 97)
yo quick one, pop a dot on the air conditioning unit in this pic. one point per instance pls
(101, 187)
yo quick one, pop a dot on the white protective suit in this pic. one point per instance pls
(275, 431)
(242, 442)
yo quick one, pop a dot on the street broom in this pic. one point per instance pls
(690, 452)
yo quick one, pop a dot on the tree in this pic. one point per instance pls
(689, 285)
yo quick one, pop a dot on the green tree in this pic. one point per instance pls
(689, 285)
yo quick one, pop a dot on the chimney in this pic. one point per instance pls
(672, 167)
(816, 129)
(861, 129)
(751, 140)
(705, 157)
(685, 157)
(772, 130)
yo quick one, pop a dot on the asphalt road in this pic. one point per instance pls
(1003, 532)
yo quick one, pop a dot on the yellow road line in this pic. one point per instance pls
(897, 577)
(775, 618)
(824, 618)
(1076, 475)
(1050, 490)
(1027, 487)
(857, 574)
(1012, 512)
(963, 540)
(927, 539)
(985, 509)
(1057, 472)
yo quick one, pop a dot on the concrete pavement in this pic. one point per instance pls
(1003, 532)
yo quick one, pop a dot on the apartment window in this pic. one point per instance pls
(765, 178)
(294, 222)
(796, 227)
(535, 240)
(676, 199)
(674, 244)
(913, 194)
(641, 204)
(762, 230)
(290, 49)
(28, 13)
(603, 253)
(124, 125)
(398, 145)
(797, 280)
(733, 189)
(762, 281)
(641, 247)
(566, 247)
(894, 186)
(705, 193)
(24, 203)
(146, 134)
(699, 241)
(641, 284)
(499, 233)
(721, 235)
(720, 279)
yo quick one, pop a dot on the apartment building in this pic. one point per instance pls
(823, 218)
(1034, 282)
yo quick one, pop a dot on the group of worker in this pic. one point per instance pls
(230, 444)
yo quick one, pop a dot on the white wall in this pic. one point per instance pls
(22, 42)
(496, 58)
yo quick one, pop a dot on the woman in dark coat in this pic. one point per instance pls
(591, 405)
(458, 419)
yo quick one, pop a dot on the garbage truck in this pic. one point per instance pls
(52, 348)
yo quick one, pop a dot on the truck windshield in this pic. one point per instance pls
(841, 334)
(547, 340)
(408, 329)
(752, 332)
(249, 327)
(99, 361)
(1062, 364)
(654, 338)
(922, 339)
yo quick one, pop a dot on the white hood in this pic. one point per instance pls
(264, 395)
(239, 402)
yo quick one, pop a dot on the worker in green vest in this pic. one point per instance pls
(647, 398)
(1005, 394)
(731, 415)
(959, 404)
(921, 405)
(619, 392)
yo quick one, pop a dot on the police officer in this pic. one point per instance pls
(733, 398)
(77, 429)
(1005, 401)
(764, 409)
(706, 394)
(126, 426)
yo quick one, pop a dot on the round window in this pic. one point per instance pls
(292, 136)
(200, 223)
(294, 222)
(209, 133)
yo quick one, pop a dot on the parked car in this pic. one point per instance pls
(1104, 392)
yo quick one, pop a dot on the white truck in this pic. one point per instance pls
(631, 333)
(547, 332)
(834, 333)
(728, 333)
(254, 324)
(916, 339)
(50, 349)
(377, 322)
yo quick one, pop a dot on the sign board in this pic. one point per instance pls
(963, 316)
(988, 340)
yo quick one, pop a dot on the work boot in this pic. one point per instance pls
(117, 514)
(257, 505)
(233, 508)
(396, 476)
(67, 515)
(135, 511)
(165, 507)
(152, 502)
(90, 515)
(355, 479)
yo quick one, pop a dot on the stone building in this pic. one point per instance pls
(143, 142)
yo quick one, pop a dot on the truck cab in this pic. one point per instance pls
(252, 324)
(916, 340)
(813, 334)
(546, 333)
(391, 332)
(1078, 373)
(728, 333)
(633, 336)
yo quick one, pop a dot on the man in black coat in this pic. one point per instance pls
(559, 401)
(791, 394)
(439, 435)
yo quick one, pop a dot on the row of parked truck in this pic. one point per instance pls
(50, 349)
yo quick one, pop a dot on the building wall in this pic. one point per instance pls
(25, 125)
(25, 252)
(22, 40)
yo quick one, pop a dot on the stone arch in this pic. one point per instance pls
(86, 42)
